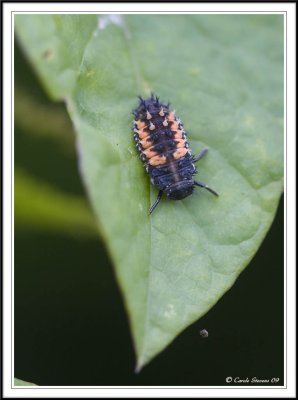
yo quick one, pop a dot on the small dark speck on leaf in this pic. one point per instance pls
(47, 54)
(204, 333)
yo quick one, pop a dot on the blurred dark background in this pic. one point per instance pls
(70, 323)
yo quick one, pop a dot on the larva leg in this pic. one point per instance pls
(155, 204)
(203, 185)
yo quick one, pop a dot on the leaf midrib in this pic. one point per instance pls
(141, 84)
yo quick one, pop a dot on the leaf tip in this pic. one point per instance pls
(138, 367)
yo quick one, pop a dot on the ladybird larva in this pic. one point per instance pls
(162, 142)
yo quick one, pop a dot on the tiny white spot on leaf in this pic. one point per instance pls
(105, 20)
(169, 311)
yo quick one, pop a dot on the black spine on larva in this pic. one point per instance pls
(173, 174)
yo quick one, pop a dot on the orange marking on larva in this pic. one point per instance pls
(140, 124)
(157, 160)
(174, 126)
(180, 143)
(142, 133)
(171, 116)
(146, 143)
(179, 153)
(178, 134)
(149, 153)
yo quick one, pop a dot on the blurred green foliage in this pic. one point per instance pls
(41, 206)
(39, 203)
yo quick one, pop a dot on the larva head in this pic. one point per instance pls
(149, 108)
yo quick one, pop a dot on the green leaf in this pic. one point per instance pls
(19, 382)
(224, 76)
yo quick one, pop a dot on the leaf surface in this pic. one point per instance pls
(19, 382)
(224, 77)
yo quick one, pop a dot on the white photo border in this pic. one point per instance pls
(288, 9)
